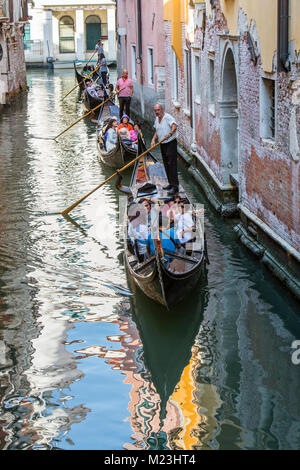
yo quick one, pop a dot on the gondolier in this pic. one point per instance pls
(165, 125)
(99, 48)
(125, 88)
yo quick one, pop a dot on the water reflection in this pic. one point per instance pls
(164, 386)
(86, 360)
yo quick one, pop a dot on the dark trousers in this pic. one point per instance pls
(104, 75)
(169, 156)
(124, 102)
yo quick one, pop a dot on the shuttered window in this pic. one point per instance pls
(66, 35)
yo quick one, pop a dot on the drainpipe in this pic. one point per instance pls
(283, 36)
(140, 52)
(140, 40)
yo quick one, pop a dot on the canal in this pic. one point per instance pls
(86, 360)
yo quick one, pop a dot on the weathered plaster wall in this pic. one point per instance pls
(146, 94)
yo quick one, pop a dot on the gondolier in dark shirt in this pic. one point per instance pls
(166, 126)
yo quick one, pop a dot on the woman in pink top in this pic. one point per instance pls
(125, 88)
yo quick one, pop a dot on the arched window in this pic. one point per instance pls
(66, 35)
(92, 31)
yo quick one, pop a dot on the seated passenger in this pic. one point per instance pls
(90, 87)
(100, 92)
(184, 225)
(166, 237)
(110, 134)
(138, 232)
(124, 123)
(134, 139)
(111, 92)
(125, 136)
(174, 208)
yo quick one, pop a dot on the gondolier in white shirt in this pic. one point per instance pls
(166, 126)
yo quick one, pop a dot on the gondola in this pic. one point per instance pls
(80, 78)
(121, 154)
(166, 277)
(90, 102)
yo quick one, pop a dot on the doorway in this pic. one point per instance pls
(92, 31)
(229, 121)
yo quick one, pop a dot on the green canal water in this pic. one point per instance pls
(86, 360)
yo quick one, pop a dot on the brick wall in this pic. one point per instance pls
(268, 171)
(269, 175)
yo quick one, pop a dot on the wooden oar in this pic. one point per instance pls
(78, 84)
(82, 117)
(66, 211)
(96, 107)
(91, 57)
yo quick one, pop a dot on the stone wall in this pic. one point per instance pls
(229, 143)
(12, 64)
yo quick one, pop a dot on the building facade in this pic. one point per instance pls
(66, 31)
(235, 87)
(13, 18)
(141, 51)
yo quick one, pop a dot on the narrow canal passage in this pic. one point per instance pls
(86, 360)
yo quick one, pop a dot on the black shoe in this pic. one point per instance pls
(173, 190)
(168, 187)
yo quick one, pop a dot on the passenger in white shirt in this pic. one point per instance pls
(184, 226)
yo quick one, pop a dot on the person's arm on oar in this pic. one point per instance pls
(154, 139)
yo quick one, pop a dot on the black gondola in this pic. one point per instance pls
(90, 101)
(80, 77)
(121, 154)
(166, 277)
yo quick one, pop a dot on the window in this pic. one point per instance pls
(150, 66)
(133, 62)
(187, 79)
(92, 31)
(197, 77)
(27, 36)
(267, 109)
(212, 85)
(66, 35)
(175, 77)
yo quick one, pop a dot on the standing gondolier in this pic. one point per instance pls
(99, 48)
(125, 88)
(165, 125)
(103, 69)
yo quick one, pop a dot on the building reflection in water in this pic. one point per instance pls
(157, 357)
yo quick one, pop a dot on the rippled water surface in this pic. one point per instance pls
(86, 360)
